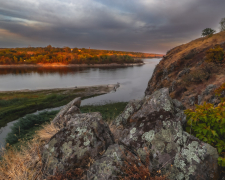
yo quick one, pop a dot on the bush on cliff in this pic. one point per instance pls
(208, 32)
(207, 123)
(215, 55)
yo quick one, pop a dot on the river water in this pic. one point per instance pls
(133, 82)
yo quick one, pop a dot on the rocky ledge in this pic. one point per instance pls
(151, 128)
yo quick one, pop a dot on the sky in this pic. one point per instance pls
(152, 26)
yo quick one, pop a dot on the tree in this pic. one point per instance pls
(208, 31)
(222, 24)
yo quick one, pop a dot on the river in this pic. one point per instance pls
(133, 82)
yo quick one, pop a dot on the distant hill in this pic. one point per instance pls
(68, 55)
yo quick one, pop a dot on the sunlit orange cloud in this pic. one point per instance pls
(7, 34)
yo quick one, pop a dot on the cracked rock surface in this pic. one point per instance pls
(153, 124)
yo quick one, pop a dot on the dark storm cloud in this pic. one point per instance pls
(143, 25)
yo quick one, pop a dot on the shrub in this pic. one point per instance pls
(210, 68)
(208, 32)
(220, 92)
(207, 123)
(196, 76)
(215, 55)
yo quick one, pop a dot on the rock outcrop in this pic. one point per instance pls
(65, 113)
(177, 153)
(85, 137)
(149, 128)
(187, 73)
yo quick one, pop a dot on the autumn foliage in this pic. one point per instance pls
(216, 55)
(67, 55)
(207, 122)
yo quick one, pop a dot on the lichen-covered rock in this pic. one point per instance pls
(65, 113)
(192, 100)
(107, 167)
(131, 107)
(183, 72)
(209, 89)
(159, 100)
(178, 154)
(208, 92)
(182, 118)
(172, 87)
(85, 136)
(178, 105)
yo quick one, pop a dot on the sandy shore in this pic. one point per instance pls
(69, 65)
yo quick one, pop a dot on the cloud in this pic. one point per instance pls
(143, 25)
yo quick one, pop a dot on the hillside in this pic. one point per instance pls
(68, 55)
(187, 71)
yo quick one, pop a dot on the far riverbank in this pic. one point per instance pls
(70, 65)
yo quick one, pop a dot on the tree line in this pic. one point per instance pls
(67, 55)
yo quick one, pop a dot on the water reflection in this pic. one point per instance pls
(133, 82)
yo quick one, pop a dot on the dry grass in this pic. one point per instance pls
(135, 169)
(26, 163)
(47, 132)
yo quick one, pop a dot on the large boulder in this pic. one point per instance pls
(109, 165)
(176, 153)
(85, 137)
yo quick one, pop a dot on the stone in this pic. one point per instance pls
(172, 87)
(192, 100)
(65, 113)
(85, 137)
(165, 73)
(130, 109)
(213, 99)
(178, 104)
(157, 128)
(209, 89)
(183, 72)
(200, 97)
(107, 167)
(182, 118)
(159, 100)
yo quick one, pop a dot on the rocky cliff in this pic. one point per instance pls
(186, 73)
(147, 140)
(146, 137)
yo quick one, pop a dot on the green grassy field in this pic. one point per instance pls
(17, 104)
(25, 128)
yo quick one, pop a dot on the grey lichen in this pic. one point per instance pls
(148, 136)
(141, 125)
(81, 131)
(132, 131)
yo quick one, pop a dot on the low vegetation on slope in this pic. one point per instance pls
(207, 123)
(188, 69)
